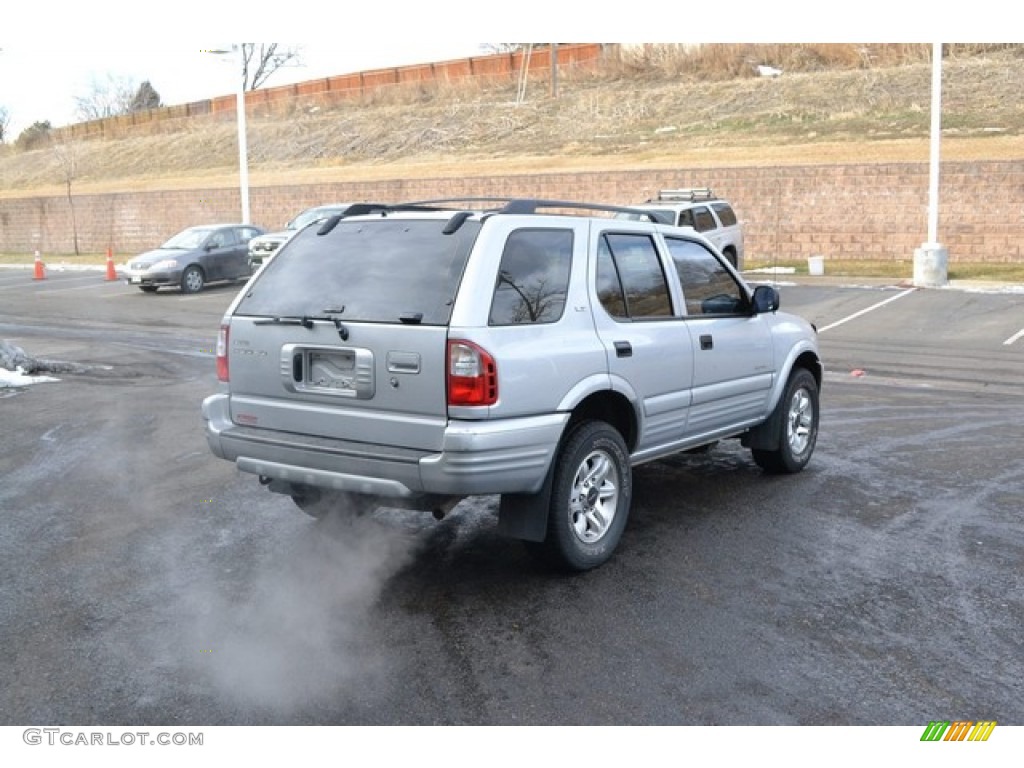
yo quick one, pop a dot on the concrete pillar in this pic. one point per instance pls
(931, 266)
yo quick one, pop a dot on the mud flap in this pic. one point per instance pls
(525, 515)
(766, 435)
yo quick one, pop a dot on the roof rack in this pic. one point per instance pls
(688, 194)
(496, 205)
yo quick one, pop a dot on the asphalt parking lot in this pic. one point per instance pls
(146, 582)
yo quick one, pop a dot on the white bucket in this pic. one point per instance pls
(816, 265)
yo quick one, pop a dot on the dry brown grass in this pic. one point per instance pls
(653, 106)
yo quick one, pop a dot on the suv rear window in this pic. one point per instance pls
(365, 270)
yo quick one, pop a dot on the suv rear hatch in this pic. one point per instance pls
(344, 334)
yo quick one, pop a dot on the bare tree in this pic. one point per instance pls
(261, 60)
(66, 154)
(5, 123)
(108, 98)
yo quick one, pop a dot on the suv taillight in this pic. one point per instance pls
(222, 352)
(472, 375)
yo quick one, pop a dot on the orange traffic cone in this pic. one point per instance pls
(111, 272)
(40, 273)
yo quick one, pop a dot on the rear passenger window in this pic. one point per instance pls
(630, 282)
(726, 215)
(708, 287)
(533, 278)
(703, 220)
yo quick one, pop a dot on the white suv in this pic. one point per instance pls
(700, 209)
(412, 355)
(263, 247)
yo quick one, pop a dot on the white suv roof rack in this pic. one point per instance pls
(694, 193)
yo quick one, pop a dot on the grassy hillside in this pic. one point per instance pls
(655, 106)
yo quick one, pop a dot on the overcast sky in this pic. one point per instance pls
(51, 53)
(179, 73)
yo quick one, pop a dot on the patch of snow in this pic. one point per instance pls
(18, 378)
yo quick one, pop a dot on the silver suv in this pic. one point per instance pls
(263, 247)
(412, 355)
(700, 209)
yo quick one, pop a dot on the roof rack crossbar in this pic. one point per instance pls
(686, 193)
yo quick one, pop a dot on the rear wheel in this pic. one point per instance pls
(798, 412)
(590, 498)
(192, 280)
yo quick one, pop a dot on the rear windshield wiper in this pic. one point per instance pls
(306, 321)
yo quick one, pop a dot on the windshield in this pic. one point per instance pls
(378, 270)
(663, 215)
(190, 238)
(313, 214)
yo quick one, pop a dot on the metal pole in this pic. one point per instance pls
(936, 135)
(243, 148)
(931, 260)
(554, 70)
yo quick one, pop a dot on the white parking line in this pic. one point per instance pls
(1018, 335)
(74, 288)
(868, 309)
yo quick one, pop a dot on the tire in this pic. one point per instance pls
(319, 504)
(590, 498)
(797, 413)
(192, 279)
(147, 288)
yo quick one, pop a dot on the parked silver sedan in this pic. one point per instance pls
(194, 257)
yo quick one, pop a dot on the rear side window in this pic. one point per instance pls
(379, 270)
(703, 220)
(533, 279)
(221, 239)
(245, 234)
(726, 215)
(630, 281)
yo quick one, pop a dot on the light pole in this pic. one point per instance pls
(931, 260)
(243, 147)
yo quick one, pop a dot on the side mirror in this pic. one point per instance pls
(765, 299)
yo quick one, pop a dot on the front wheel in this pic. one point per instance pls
(590, 498)
(192, 280)
(798, 411)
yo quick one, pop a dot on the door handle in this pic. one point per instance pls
(623, 349)
(706, 342)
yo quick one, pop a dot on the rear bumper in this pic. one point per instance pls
(476, 457)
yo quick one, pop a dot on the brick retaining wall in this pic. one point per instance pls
(874, 212)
